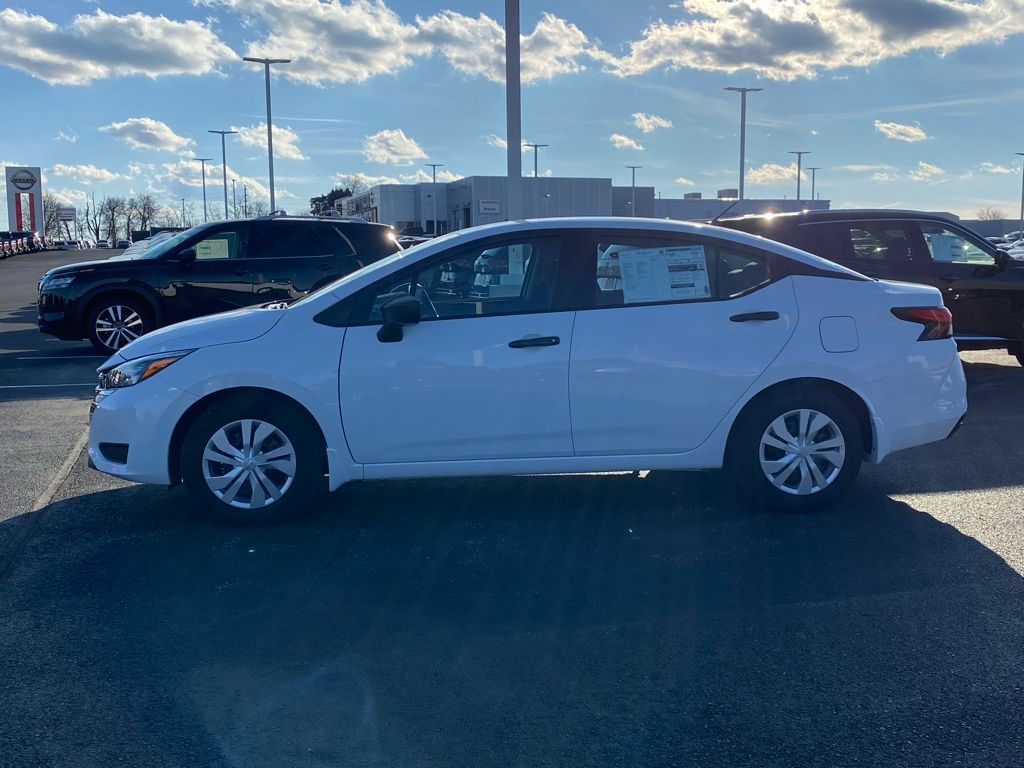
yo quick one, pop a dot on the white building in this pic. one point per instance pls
(476, 200)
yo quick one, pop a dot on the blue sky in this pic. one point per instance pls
(903, 104)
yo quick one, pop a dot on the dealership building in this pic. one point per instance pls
(476, 200)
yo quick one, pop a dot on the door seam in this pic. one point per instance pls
(568, 384)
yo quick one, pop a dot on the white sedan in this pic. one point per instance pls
(562, 345)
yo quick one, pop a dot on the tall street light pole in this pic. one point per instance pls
(513, 113)
(814, 177)
(183, 213)
(743, 129)
(204, 161)
(535, 147)
(433, 172)
(1021, 154)
(224, 166)
(245, 202)
(799, 171)
(632, 197)
(270, 127)
(234, 200)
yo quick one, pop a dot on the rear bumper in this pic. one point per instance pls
(923, 403)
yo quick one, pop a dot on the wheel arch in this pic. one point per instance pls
(129, 290)
(856, 403)
(193, 411)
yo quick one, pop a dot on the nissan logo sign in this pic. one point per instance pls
(23, 180)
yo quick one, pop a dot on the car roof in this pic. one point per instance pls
(844, 214)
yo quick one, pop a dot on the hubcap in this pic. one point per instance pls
(249, 464)
(802, 452)
(117, 325)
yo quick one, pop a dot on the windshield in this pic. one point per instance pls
(156, 250)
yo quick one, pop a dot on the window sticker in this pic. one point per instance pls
(214, 248)
(678, 273)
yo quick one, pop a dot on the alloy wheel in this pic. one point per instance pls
(249, 464)
(117, 325)
(802, 452)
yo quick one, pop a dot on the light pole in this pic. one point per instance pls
(535, 147)
(1021, 194)
(632, 197)
(224, 166)
(234, 200)
(183, 213)
(513, 112)
(433, 171)
(204, 161)
(743, 129)
(799, 172)
(814, 177)
(270, 129)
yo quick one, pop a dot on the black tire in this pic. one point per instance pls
(744, 452)
(128, 308)
(298, 498)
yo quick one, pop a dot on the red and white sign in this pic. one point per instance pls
(24, 199)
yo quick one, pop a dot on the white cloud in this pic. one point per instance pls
(789, 39)
(183, 178)
(75, 197)
(392, 147)
(988, 167)
(884, 176)
(86, 173)
(148, 134)
(685, 182)
(334, 42)
(621, 141)
(422, 176)
(502, 143)
(901, 131)
(865, 167)
(286, 141)
(69, 136)
(770, 173)
(361, 181)
(647, 123)
(926, 172)
(102, 45)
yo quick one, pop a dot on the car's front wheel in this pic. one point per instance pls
(253, 460)
(796, 450)
(115, 322)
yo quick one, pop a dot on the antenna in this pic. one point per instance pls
(729, 208)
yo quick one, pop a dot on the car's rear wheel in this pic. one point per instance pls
(114, 322)
(796, 450)
(252, 460)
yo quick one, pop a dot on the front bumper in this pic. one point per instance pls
(55, 315)
(143, 417)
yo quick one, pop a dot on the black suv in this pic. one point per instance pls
(981, 285)
(207, 269)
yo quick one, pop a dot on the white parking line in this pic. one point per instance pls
(36, 386)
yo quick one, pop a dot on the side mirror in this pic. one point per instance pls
(187, 256)
(398, 312)
(1002, 258)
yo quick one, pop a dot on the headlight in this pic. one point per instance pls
(140, 369)
(57, 282)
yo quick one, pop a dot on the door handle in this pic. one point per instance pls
(535, 341)
(948, 278)
(748, 317)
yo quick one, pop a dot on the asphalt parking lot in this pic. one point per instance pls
(623, 619)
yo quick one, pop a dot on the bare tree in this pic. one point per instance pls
(112, 210)
(145, 209)
(51, 226)
(258, 207)
(93, 216)
(991, 214)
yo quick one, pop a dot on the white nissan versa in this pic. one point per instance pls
(561, 345)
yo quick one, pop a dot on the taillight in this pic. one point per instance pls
(937, 321)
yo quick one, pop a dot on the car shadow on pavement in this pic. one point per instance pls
(538, 621)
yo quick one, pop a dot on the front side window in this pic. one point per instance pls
(951, 246)
(508, 277)
(222, 245)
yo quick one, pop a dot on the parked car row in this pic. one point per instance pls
(14, 243)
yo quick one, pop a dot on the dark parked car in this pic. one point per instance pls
(981, 285)
(207, 269)
(33, 242)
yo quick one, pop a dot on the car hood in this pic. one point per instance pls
(84, 266)
(227, 328)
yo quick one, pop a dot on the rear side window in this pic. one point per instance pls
(371, 243)
(280, 240)
(740, 272)
(860, 241)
